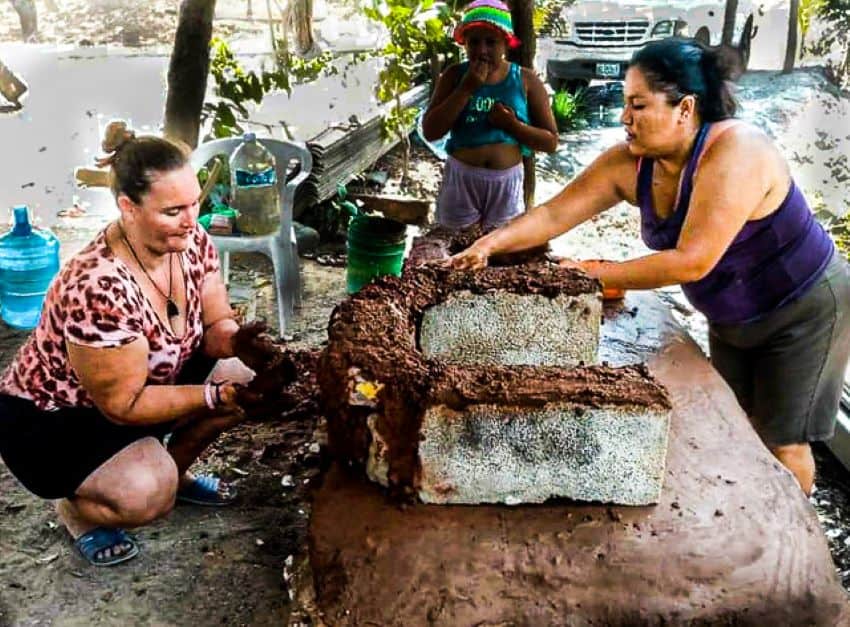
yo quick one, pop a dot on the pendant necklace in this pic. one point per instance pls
(171, 308)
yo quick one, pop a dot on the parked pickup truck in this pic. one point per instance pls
(595, 39)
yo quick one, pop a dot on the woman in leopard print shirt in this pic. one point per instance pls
(108, 371)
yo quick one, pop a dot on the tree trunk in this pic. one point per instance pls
(845, 70)
(791, 43)
(302, 24)
(729, 16)
(303, 18)
(28, 16)
(522, 14)
(188, 70)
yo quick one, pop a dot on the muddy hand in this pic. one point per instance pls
(470, 259)
(592, 267)
(566, 262)
(502, 117)
(475, 77)
(254, 346)
(259, 404)
(250, 400)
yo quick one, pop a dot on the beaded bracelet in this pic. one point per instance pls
(208, 397)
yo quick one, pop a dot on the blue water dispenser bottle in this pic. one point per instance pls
(29, 259)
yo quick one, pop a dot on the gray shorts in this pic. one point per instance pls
(787, 369)
(471, 195)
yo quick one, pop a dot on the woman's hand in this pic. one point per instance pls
(502, 117)
(574, 264)
(229, 392)
(253, 345)
(473, 258)
(593, 267)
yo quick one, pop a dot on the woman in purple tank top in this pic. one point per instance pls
(721, 210)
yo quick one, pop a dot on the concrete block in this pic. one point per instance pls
(513, 329)
(512, 455)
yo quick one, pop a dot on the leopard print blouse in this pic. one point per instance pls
(95, 301)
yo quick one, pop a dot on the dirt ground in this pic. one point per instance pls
(231, 565)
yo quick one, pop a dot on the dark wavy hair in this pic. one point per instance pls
(681, 67)
(133, 159)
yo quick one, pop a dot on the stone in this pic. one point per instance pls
(513, 329)
(502, 454)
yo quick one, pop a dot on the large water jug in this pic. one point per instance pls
(29, 259)
(253, 188)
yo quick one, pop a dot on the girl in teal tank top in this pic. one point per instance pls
(495, 112)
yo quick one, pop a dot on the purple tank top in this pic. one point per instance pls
(771, 261)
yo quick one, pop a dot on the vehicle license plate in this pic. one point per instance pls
(608, 70)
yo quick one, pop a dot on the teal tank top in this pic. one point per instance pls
(472, 129)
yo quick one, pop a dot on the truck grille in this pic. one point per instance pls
(612, 33)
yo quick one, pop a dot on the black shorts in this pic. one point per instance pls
(787, 369)
(53, 452)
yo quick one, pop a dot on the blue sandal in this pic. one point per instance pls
(207, 490)
(102, 539)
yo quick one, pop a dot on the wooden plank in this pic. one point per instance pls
(91, 177)
(400, 208)
(341, 152)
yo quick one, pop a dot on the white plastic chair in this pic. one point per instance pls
(280, 247)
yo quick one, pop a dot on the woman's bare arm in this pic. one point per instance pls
(728, 189)
(116, 378)
(219, 323)
(600, 186)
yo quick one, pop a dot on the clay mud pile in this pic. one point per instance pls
(477, 387)
(285, 386)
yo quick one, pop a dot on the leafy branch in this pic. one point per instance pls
(418, 39)
(235, 86)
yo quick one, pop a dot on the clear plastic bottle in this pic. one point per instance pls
(29, 259)
(253, 188)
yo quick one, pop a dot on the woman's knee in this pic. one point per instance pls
(149, 495)
(139, 484)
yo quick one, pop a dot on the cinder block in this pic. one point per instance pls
(513, 329)
(501, 454)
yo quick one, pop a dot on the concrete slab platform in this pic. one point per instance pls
(732, 541)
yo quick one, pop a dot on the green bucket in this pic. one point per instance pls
(375, 248)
